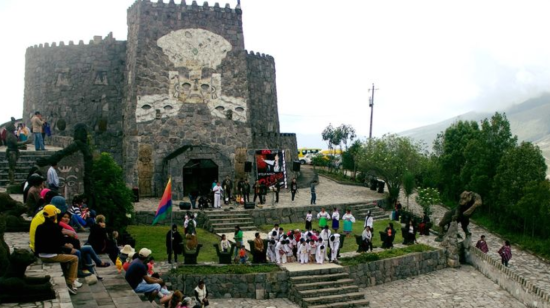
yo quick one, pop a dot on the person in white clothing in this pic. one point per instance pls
(271, 251)
(325, 236)
(334, 246)
(280, 254)
(53, 179)
(369, 222)
(224, 244)
(287, 247)
(312, 248)
(303, 251)
(335, 220)
(321, 252)
(218, 190)
(309, 218)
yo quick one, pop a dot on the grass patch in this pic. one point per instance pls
(227, 269)
(349, 242)
(386, 254)
(154, 238)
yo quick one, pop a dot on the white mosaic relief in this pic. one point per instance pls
(191, 51)
(158, 106)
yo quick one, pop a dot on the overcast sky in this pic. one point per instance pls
(430, 60)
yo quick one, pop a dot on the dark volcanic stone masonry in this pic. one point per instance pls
(181, 90)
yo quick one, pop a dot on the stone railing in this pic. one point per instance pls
(256, 286)
(517, 285)
(387, 270)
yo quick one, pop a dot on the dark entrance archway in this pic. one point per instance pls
(198, 176)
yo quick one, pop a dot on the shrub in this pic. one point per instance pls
(113, 198)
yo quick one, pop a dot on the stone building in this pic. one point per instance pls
(181, 98)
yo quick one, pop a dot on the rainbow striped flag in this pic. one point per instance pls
(165, 205)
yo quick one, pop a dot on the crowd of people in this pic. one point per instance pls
(40, 129)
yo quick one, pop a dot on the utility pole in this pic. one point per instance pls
(371, 105)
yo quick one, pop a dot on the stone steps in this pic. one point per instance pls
(25, 162)
(324, 284)
(325, 288)
(225, 222)
(341, 298)
(348, 304)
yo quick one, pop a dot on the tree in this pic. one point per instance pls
(408, 185)
(518, 167)
(347, 134)
(390, 157)
(333, 138)
(534, 206)
(450, 146)
(113, 198)
(349, 158)
(483, 155)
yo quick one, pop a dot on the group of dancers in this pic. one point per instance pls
(309, 246)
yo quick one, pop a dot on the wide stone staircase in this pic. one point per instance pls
(225, 221)
(26, 161)
(359, 211)
(325, 288)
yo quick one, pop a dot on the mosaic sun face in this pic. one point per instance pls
(195, 53)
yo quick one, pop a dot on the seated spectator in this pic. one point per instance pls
(33, 195)
(424, 226)
(49, 245)
(367, 239)
(100, 240)
(201, 295)
(225, 246)
(388, 236)
(137, 277)
(76, 214)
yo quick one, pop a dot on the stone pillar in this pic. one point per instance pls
(451, 245)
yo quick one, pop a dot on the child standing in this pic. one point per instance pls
(320, 253)
(224, 244)
(309, 218)
(242, 255)
(303, 251)
(312, 248)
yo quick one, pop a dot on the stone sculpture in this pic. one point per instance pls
(11, 211)
(469, 201)
(190, 256)
(451, 245)
(81, 144)
(225, 257)
(145, 169)
(15, 287)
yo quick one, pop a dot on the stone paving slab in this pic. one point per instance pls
(525, 264)
(251, 303)
(464, 287)
(297, 267)
(328, 192)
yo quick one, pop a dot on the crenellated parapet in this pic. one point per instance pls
(97, 40)
(184, 6)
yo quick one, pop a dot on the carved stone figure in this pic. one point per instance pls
(469, 201)
(145, 169)
(11, 211)
(14, 285)
(81, 144)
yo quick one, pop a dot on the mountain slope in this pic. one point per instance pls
(530, 121)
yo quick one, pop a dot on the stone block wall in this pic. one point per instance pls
(517, 285)
(264, 116)
(256, 286)
(71, 176)
(78, 83)
(186, 91)
(387, 270)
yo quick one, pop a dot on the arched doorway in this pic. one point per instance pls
(198, 176)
